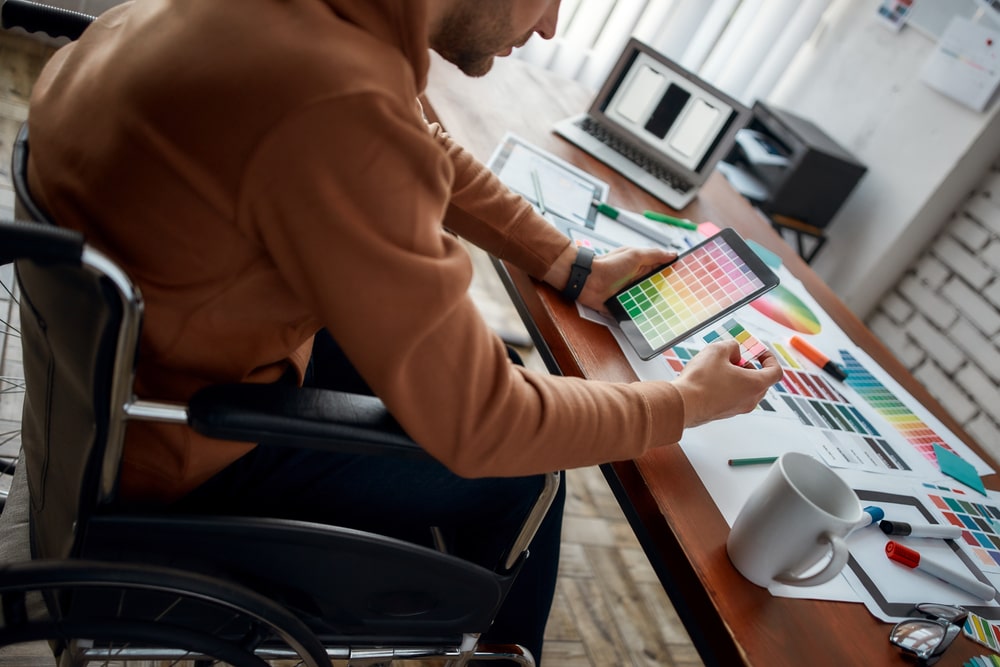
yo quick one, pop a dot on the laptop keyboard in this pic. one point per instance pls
(633, 154)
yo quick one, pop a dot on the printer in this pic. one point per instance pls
(788, 166)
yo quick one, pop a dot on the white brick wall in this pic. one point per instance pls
(943, 318)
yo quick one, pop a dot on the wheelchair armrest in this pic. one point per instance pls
(277, 414)
(41, 243)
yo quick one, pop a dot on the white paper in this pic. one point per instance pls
(965, 66)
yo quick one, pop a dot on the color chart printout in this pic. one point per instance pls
(978, 517)
(689, 292)
(750, 347)
(890, 407)
(852, 440)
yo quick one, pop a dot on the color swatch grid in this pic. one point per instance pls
(750, 347)
(980, 533)
(688, 292)
(889, 407)
(815, 402)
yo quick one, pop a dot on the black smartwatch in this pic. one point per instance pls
(578, 273)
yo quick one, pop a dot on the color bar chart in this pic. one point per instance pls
(890, 408)
(817, 403)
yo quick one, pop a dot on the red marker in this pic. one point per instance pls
(910, 558)
(818, 358)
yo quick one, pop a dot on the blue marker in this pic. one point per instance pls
(870, 515)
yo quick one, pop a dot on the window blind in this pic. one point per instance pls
(741, 46)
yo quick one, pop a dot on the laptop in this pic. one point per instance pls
(657, 124)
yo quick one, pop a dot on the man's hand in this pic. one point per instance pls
(713, 385)
(613, 271)
(609, 273)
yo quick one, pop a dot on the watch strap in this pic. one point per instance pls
(578, 273)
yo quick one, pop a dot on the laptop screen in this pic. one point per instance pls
(670, 110)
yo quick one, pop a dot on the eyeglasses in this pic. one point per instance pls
(932, 630)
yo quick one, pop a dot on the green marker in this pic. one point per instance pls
(614, 214)
(683, 223)
(604, 209)
(760, 460)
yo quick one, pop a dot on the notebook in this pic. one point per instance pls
(657, 124)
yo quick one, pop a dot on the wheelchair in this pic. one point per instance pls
(99, 584)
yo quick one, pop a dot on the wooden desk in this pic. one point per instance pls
(670, 510)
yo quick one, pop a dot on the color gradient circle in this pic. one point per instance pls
(787, 310)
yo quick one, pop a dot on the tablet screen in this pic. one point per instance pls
(701, 286)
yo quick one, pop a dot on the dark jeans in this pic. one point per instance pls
(402, 499)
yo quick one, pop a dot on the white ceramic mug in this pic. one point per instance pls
(795, 519)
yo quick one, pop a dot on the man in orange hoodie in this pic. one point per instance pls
(263, 170)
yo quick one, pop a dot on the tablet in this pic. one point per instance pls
(698, 288)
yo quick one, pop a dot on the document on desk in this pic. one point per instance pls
(888, 589)
(867, 427)
(867, 422)
(565, 195)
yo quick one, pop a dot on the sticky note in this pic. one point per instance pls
(955, 466)
(708, 228)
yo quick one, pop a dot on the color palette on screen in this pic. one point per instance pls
(977, 520)
(690, 291)
(890, 408)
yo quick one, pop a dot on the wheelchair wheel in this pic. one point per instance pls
(121, 614)
(11, 378)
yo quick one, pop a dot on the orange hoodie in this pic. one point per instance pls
(262, 169)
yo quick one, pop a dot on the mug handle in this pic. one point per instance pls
(832, 569)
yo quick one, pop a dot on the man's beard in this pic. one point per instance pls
(472, 39)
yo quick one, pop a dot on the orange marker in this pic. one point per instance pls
(818, 358)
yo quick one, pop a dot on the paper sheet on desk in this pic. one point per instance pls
(568, 190)
(763, 433)
(869, 422)
(887, 590)
(709, 447)
(568, 193)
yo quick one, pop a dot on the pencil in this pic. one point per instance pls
(535, 181)
(759, 460)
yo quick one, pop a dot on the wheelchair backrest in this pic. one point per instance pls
(80, 319)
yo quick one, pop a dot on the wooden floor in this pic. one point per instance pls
(609, 610)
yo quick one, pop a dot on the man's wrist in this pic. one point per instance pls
(578, 273)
